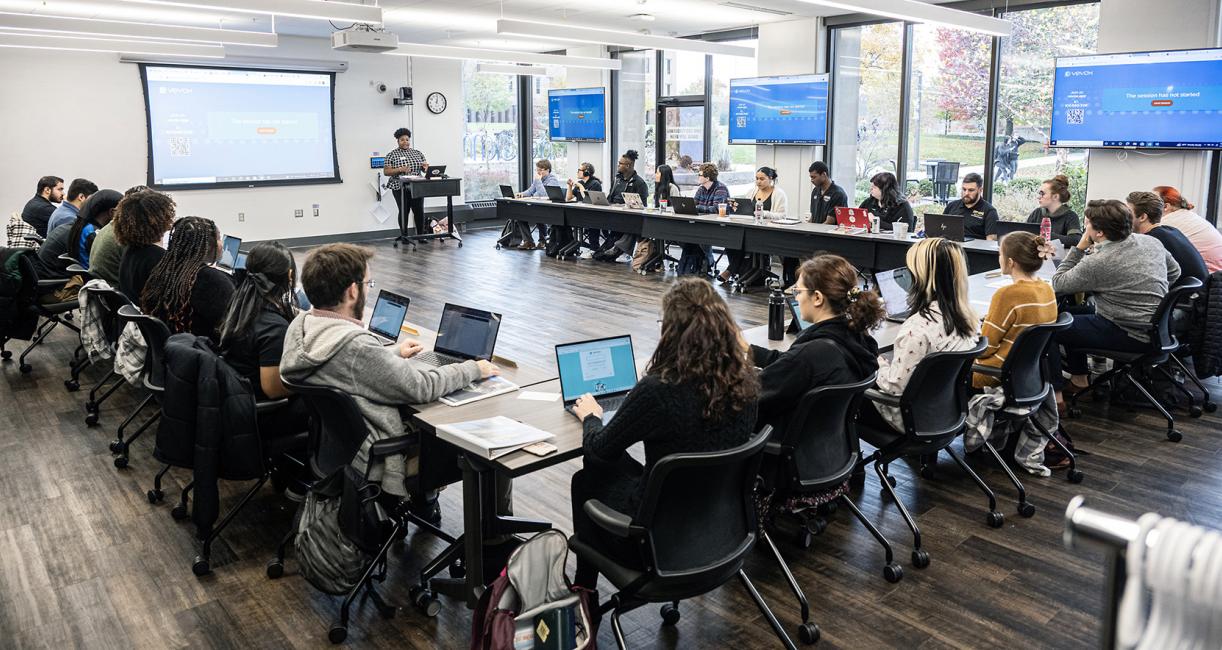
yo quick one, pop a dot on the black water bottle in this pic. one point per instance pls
(776, 311)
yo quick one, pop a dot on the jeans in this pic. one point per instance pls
(1089, 330)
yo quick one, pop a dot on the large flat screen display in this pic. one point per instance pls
(225, 127)
(779, 110)
(1156, 100)
(577, 115)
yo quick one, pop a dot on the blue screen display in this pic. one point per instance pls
(577, 115)
(779, 110)
(1145, 99)
(596, 367)
(213, 126)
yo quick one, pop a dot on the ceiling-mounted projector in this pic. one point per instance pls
(362, 38)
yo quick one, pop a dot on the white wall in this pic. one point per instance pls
(1134, 25)
(82, 115)
(593, 152)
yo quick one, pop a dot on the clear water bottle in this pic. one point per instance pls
(759, 211)
(664, 205)
(1046, 229)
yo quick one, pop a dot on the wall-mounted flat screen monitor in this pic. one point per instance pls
(1150, 100)
(577, 115)
(779, 110)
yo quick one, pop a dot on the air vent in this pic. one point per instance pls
(762, 10)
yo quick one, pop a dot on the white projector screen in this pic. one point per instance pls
(226, 127)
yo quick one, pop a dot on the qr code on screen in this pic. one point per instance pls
(1074, 116)
(180, 146)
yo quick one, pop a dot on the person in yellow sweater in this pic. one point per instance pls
(1028, 301)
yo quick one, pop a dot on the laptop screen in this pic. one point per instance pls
(506, 191)
(388, 314)
(597, 367)
(467, 333)
(796, 312)
(229, 251)
(240, 262)
(893, 287)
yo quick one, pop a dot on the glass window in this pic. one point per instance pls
(866, 108)
(684, 146)
(541, 144)
(736, 163)
(682, 73)
(490, 139)
(948, 114)
(1024, 106)
(636, 105)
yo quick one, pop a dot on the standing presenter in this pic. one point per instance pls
(405, 161)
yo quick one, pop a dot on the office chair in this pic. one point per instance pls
(109, 302)
(1132, 366)
(1026, 385)
(80, 360)
(54, 314)
(337, 432)
(934, 410)
(1191, 324)
(694, 528)
(155, 334)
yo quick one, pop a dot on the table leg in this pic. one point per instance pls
(473, 528)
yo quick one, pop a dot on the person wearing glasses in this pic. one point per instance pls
(1054, 204)
(585, 182)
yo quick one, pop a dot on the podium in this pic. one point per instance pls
(423, 188)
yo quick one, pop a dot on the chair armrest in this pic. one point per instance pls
(773, 448)
(986, 370)
(608, 518)
(78, 269)
(391, 446)
(270, 405)
(52, 283)
(67, 258)
(876, 395)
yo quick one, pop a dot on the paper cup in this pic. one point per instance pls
(900, 230)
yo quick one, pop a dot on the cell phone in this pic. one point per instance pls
(540, 448)
(993, 274)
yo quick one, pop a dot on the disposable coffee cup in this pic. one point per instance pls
(900, 230)
(721, 209)
(874, 224)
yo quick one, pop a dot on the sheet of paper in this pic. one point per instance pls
(537, 396)
(999, 283)
(380, 212)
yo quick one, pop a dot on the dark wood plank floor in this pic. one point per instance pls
(86, 561)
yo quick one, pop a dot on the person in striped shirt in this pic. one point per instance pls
(1028, 301)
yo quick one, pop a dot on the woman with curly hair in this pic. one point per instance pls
(184, 290)
(143, 218)
(699, 393)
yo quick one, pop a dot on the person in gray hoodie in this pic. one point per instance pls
(329, 346)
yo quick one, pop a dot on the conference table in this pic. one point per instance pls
(867, 251)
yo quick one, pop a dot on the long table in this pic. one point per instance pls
(865, 251)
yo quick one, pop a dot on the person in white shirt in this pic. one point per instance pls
(1178, 213)
(942, 320)
(774, 205)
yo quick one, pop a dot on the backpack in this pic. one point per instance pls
(532, 605)
(340, 531)
(644, 251)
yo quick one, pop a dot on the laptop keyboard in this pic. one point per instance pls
(437, 359)
(609, 404)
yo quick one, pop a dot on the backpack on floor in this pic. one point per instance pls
(644, 251)
(533, 605)
(341, 528)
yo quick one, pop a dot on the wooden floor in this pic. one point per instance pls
(86, 561)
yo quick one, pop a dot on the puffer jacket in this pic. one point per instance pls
(1205, 335)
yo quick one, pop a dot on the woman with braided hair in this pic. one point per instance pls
(184, 290)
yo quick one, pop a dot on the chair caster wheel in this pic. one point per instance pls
(670, 614)
(498, 247)
(1174, 436)
(808, 633)
(72, 385)
(458, 570)
(156, 496)
(179, 512)
(121, 462)
(92, 407)
(201, 567)
(805, 538)
(893, 572)
(91, 420)
(425, 601)
(827, 509)
(460, 244)
(1195, 411)
(275, 569)
(26, 368)
(920, 559)
(1075, 476)
(6, 355)
(1026, 509)
(892, 481)
(115, 447)
(338, 633)
(1210, 407)
(1073, 412)
(995, 519)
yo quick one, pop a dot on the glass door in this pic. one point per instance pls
(682, 134)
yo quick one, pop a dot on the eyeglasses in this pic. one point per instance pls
(369, 284)
(793, 291)
(1040, 193)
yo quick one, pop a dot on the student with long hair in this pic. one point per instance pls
(773, 203)
(184, 290)
(106, 255)
(1015, 307)
(1054, 203)
(96, 212)
(1179, 213)
(887, 202)
(144, 218)
(698, 394)
(664, 185)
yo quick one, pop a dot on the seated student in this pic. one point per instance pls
(96, 212)
(942, 320)
(143, 220)
(710, 195)
(330, 346)
(66, 213)
(1015, 307)
(38, 210)
(979, 216)
(664, 185)
(48, 263)
(836, 349)
(1178, 213)
(184, 290)
(1054, 198)
(543, 177)
(774, 205)
(107, 253)
(626, 181)
(698, 394)
(1147, 209)
(1127, 274)
(887, 203)
(586, 182)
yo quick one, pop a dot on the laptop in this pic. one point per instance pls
(683, 204)
(947, 226)
(388, 314)
(594, 197)
(554, 194)
(507, 192)
(464, 334)
(229, 253)
(1006, 227)
(605, 368)
(893, 286)
(633, 200)
(796, 313)
(743, 206)
(435, 171)
(240, 263)
(849, 218)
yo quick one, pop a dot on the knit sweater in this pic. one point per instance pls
(1013, 309)
(1128, 279)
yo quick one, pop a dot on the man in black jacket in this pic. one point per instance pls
(626, 181)
(37, 211)
(979, 217)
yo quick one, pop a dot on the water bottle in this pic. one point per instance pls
(776, 311)
(1046, 229)
(759, 211)
(665, 205)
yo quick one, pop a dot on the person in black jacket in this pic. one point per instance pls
(142, 219)
(37, 211)
(1147, 209)
(698, 394)
(626, 180)
(836, 349)
(184, 290)
(887, 202)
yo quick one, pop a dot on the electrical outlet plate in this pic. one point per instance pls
(299, 213)
(241, 217)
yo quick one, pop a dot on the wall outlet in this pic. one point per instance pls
(298, 213)
(241, 217)
(316, 209)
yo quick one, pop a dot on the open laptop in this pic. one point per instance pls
(605, 368)
(743, 206)
(1006, 227)
(464, 334)
(683, 204)
(594, 197)
(893, 286)
(435, 171)
(507, 192)
(633, 200)
(229, 253)
(796, 312)
(554, 194)
(388, 314)
(239, 263)
(947, 226)
(849, 218)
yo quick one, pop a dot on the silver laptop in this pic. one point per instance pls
(633, 200)
(605, 368)
(388, 314)
(893, 286)
(464, 334)
(594, 197)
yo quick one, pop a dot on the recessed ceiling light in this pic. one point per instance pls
(573, 33)
(644, 18)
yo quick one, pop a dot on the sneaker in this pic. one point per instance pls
(428, 510)
(295, 492)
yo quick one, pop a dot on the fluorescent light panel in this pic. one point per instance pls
(39, 42)
(920, 12)
(503, 56)
(84, 27)
(501, 68)
(608, 37)
(317, 9)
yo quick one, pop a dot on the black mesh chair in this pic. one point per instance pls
(109, 301)
(694, 528)
(1135, 366)
(80, 360)
(53, 314)
(155, 335)
(934, 411)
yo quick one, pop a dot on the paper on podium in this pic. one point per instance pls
(379, 189)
